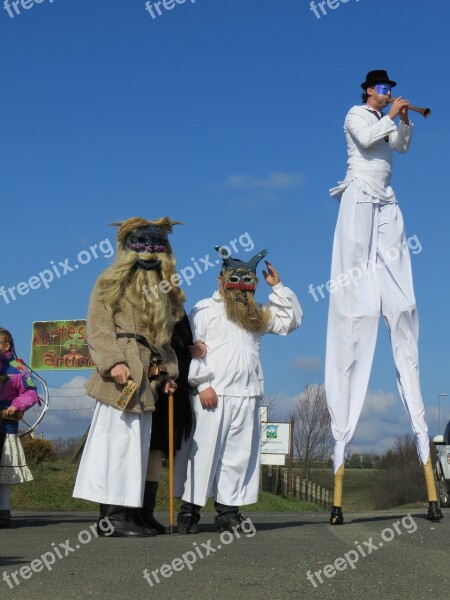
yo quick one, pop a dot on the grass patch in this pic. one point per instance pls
(54, 481)
(51, 489)
(359, 486)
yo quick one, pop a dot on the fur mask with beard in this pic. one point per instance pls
(242, 308)
(130, 281)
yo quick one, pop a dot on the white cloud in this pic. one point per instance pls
(382, 419)
(71, 395)
(70, 411)
(307, 364)
(276, 181)
(279, 406)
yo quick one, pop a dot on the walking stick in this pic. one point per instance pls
(171, 448)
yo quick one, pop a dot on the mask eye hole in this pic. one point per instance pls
(247, 279)
(234, 279)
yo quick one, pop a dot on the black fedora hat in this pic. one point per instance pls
(374, 77)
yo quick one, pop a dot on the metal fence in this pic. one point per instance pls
(65, 424)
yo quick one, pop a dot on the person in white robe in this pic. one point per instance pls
(224, 455)
(371, 275)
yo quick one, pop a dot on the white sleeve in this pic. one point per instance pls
(368, 134)
(285, 309)
(200, 376)
(401, 140)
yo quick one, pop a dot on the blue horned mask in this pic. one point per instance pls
(243, 273)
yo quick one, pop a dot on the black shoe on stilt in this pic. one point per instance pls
(148, 506)
(434, 513)
(336, 517)
(119, 523)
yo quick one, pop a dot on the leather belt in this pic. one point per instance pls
(139, 338)
(156, 365)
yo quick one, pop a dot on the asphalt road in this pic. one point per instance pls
(387, 555)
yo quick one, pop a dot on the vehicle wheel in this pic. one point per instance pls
(444, 496)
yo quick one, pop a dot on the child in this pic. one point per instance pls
(17, 394)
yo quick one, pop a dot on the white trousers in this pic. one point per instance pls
(224, 457)
(113, 466)
(370, 275)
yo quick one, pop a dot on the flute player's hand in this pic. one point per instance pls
(399, 107)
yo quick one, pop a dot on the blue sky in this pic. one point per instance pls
(226, 115)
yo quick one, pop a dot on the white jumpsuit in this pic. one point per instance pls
(225, 452)
(371, 275)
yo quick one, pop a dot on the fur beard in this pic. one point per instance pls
(124, 283)
(242, 308)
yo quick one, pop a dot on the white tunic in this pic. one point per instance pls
(231, 365)
(368, 160)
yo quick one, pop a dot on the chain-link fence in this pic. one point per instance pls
(65, 423)
(65, 428)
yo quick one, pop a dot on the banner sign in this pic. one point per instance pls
(275, 438)
(60, 345)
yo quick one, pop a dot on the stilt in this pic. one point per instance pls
(336, 517)
(434, 512)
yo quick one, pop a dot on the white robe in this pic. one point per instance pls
(113, 466)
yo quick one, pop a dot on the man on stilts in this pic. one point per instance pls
(372, 270)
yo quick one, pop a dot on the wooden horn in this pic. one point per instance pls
(426, 112)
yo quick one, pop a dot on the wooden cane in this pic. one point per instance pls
(171, 449)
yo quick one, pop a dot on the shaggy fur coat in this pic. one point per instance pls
(107, 351)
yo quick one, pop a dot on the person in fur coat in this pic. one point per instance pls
(129, 333)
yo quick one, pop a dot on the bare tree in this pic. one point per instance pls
(402, 481)
(313, 440)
